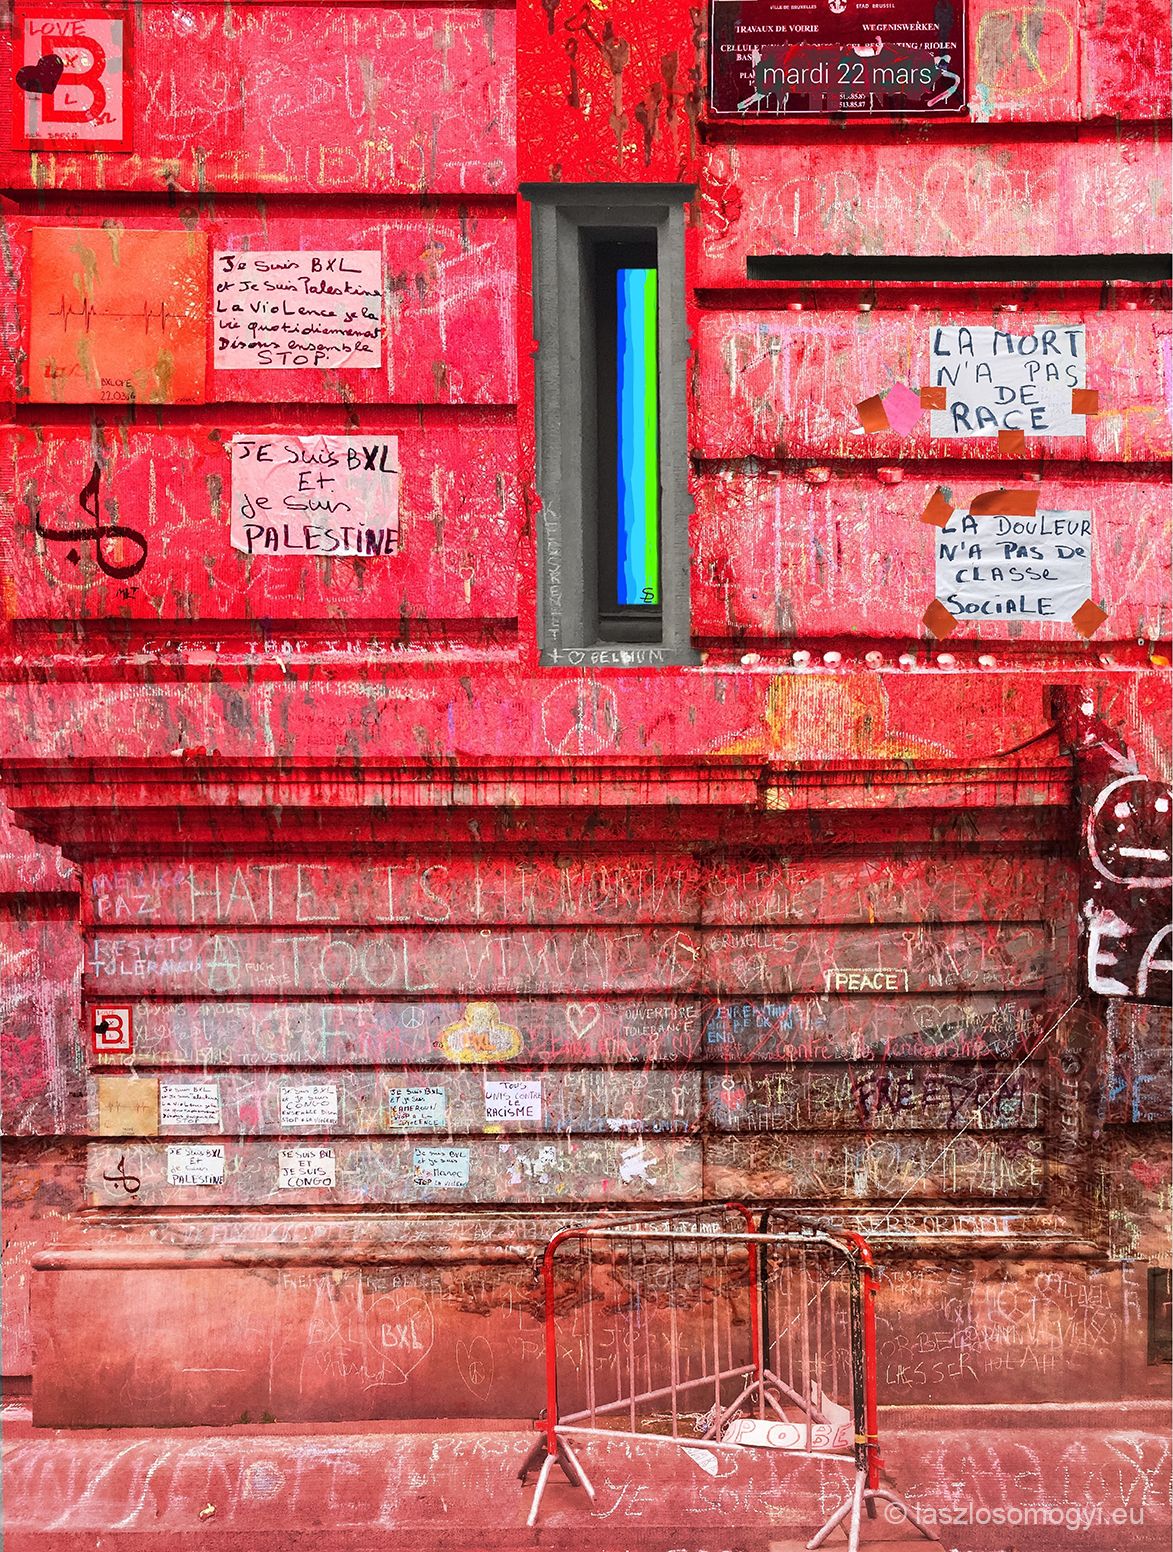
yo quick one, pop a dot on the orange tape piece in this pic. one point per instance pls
(1088, 618)
(1005, 503)
(939, 510)
(1085, 401)
(871, 414)
(1012, 444)
(938, 620)
(934, 399)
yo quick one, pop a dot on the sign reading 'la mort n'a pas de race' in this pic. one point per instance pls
(804, 58)
(1000, 380)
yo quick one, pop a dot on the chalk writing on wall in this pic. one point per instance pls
(116, 316)
(195, 1164)
(326, 495)
(839, 980)
(189, 1104)
(513, 1099)
(309, 1104)
(413, 1108)
(305, 1169)
(74, 66)
(446, 1168)
(1129, 840)
(286, 309)
(1034, 568)
(998, 381)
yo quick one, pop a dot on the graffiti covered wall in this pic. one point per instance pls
(347, 950)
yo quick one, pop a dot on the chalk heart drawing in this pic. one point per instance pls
(401, 1330)
(582, 1017)
(474, 1364)
(747, 971)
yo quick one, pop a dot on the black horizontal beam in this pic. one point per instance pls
(867, 268)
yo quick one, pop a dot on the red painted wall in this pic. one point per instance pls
(311, 810)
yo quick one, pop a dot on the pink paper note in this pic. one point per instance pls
(903, 408)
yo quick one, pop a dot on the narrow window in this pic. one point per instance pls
(612, 458)
(627, 371)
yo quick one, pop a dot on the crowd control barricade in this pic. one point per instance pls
(725, 1334)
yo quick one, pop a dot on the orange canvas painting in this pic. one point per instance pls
(117, 317)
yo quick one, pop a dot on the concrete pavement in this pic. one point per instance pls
(447, 1487)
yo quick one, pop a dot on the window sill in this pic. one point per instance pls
(614, 654)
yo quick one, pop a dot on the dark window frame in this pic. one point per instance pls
(574, 625)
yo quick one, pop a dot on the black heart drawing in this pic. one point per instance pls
(43, 76)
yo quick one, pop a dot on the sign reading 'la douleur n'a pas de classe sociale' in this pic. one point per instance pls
(1014, 566)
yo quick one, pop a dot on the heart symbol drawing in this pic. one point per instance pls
(43, 76)
(400, 1329)
(582, 1017)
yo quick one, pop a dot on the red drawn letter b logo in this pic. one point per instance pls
(53, 108)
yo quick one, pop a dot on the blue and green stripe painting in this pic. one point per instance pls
(638, 438)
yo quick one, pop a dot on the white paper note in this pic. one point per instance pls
(315, 495)
(309, 1104)
(513, 1099)
(446, 1168)
(189, 1104)
(278, 309)
(305, 1169)
(1015, 568)
(195, 1164)
(408, 1109)
(1000, 381)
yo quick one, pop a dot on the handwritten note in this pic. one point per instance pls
(410, 1109)
(1032, 568)
(325, 495)
(280, 309)
(189, 1104)
(998, 381)
(309, 1104)
(513, 1099)
(444, 1168)
(195, 1164)
(116, 317)
(305, 1169)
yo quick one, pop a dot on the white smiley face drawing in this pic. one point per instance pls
(1130, 833)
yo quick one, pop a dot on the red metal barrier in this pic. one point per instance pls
(693, 1334)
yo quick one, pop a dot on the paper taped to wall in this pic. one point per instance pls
(195, 1164)
(998, 381)
(305, 1169)
(411, 1108)
(513, 1099)
(278, 310)
(328, 496)
(1021, 568)
(309, 1104)
(446, 1168)
(189, 1104)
